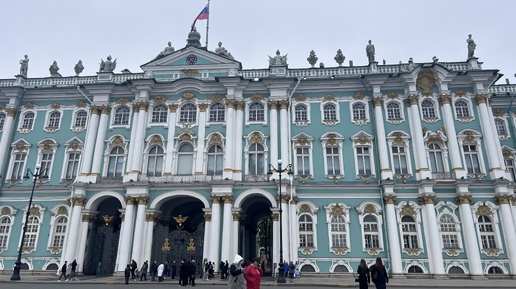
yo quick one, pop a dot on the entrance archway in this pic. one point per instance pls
(103, 236)
(179, 231)
(256, 229)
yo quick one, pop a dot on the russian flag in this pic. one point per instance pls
(203, 15)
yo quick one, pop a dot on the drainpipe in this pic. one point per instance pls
(79, 89)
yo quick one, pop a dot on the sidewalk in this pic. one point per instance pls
(347, 281)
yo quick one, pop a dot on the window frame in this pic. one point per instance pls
(334, 141)
(212, 158)
(374, 210)
(341, 210)
(216, 112)
(156, 156)
(353, 112)
(425, 110)
(458, 111)
(22, 126)
(37, 214)
(188, 113)
(119, 119)
(250, 111)
(73, 125)
(399, 111)
(53, 120)
(415, 214)
(182, 155)
(303, 141)
(158, 116)
(334, 113)
(3, 117)
(5, 231)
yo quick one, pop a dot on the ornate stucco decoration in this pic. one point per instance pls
(20, 147)
(329, 97)
(2, 106)
(305, 208)
(332, 139)
(445, 99)
(156, 140)
(452, 252)
(256, 137)
(337, 211)
(392, 95)
(358, 96)
(203, 107)
(413, 252)
(498, 112)
(302, 141)
(190, 72)
(47, 145)
(481, 98)
(62, 210)
(122, 101)
(378, 101)
(188, 96)
(256, 97)
(390, 199)
(55, 105)
(160, 99)
(369, 209)
(35, 211)
(435, 138)
(185, 137)
(300, 98)
(11, 111)
(484, 210)
(6, 211)
(492, 252)
(407, 210)
(307, 251)
(398, 139)
(172, 107)
(117, 141)
(230, 103)
(80, 103)
(215, 139)
(340, 251)
(470, 138)
(461, 93)
(413, 99)
(507, 153)
(425, 81)
(29, 105)
(236, 216)
(216, 98)
(362, 140)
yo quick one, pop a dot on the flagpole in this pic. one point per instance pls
(207, 25)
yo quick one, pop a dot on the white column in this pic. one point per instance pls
(207, 235)
(392, 231)
(239, 131)
(451, 134)
(284, 221)
(433, 236)
(230, 130)
(73, 232)
(126, 234)
(284, 131)
(274, 131)
(99, 144)
(494, 163)
(294, 236)
(132, 139)
(275, 240)
(136, 166)
(139, 240)
(470, 236)
(201, 135)
(234, 233)
(6, 136)
(215, 232)
(424, 171)
(496, 137)
(383, 149)
(83, 237)
(508, 230)
(149, 229)
(226, 229)
(89, 144)
(170, 138)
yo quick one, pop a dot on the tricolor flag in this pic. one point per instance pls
(203, 15)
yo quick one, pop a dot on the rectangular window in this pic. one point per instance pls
(303, 161)
(471, 157)
(363, 160)
(72, 165)
(332, 161)
(18, 165)
(371, 235)
(399, 157)
(46, 163)
(509, 164)
(409, 236)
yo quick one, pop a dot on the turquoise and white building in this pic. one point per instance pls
(412, 162)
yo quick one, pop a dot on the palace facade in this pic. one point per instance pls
(413, 162)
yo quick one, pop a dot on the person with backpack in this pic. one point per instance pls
(364, 278)
(236, 274)
(379, 274)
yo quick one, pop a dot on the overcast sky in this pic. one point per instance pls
(134, 31)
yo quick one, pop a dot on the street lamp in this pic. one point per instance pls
(272, 169)
(36, 175)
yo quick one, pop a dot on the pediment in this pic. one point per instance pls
(191, 62)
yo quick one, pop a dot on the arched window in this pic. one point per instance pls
(121, 115)
(455, 270)
(59, 232)
(449, 234)
(215, 161)
(159, 113)
(5, 229)
(188, 113)
(471, 158)
(185, 159)
(436, 158)
(301, 112)
(338, 232)
(256, 112)
(116, 162)
(409, 229)
(462, 109)
(80, 118)
(31, 234)
(256, 159)
(306, 231)
(371, 233)
(2, 120)
(501, 129)
(415, 269)
(428, 109)
(340, 269)
(393, 110)
(487, 233)
(28, 120)
(359, 111)
(330, 112)
(217, 112)
(155, 162)
(53, 119)
(495, 270)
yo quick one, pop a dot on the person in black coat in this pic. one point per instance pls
(154, 271)
(379, 274)
(364, 278)
(174, 269)
(183, 273)
(127, 274)
(134, 266)
(191, 273)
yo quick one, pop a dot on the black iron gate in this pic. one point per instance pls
(178, 244)
(102, 246)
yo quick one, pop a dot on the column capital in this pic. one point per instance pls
(150, 217)
(427, 200)
(94, 109)
(444, 99)
(284, 104)
(390, 199)
(203, 107)
(77, 201)
(87, 217)
(240, 105)
(272, 104)
(503, 199)
(275, 216)
(10, 111)
(129, 200)
(227, 199)
(172, 107)
(481, 98)
(215, 199)
(142, 200)
(136, 107)
(236, 216)
(207, 217)
(230, 103)
(104, 109)
(144, 105)
(413, 99)
(464, 199)
(377, 101)
(294, 200)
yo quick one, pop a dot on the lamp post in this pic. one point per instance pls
(36, 175)
(279, 170)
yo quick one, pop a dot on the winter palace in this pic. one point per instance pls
(411, 162)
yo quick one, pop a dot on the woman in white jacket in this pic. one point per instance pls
(161, 267)
(236, 274)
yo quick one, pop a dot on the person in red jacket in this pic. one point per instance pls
(253, 273)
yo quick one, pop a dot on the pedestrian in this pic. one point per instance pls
(379, 274)
(296, 274)
(183, 273)
(143, 270)
(154, 271)
(206, 270)
(134, 266)
(174, 269)
(99, 269)
(211, 270)
(63, 271)
(236, 274)
(73, 269)
(161, 268)
(291, 271)
(253, 274)
(285, 268)
(127, 274)
(364, 278)
(226, 268)
(191, 273)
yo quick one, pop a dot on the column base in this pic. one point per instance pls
(89, 179)
(478, 277)
(131, 177)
